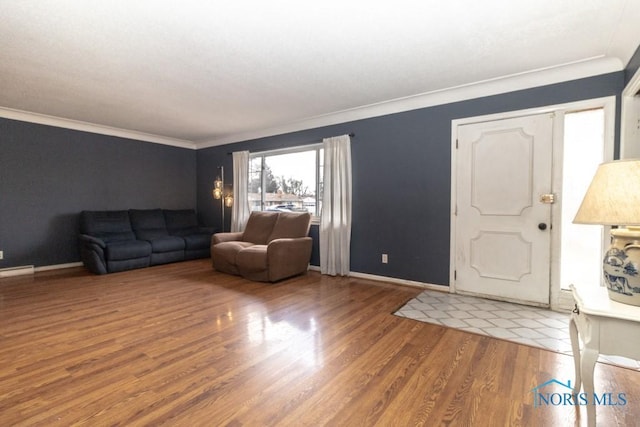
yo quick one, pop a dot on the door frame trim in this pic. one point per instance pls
(629, 116)
(559, 300)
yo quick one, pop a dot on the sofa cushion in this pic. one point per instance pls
(259, 227)
(252, 259)
(181, 222)
(127, 250)
(229, 250)
(291, 225)
(167, 244)
(109, 226)
(224, 255)
(197, 241)
(148, 224)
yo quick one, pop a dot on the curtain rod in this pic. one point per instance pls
(351, 134)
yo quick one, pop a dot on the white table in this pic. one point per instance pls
(605, 327)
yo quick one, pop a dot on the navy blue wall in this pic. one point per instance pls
(49, 174)
(401, 166)
(402, 175)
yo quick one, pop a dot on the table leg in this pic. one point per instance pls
(575, 348)
(588, 363)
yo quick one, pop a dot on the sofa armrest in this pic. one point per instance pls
(92, 253)
(287, 257)
(85, 238)
(225, 237)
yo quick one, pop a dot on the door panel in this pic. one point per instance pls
(511, 194)
(502, 169)
(500, 255)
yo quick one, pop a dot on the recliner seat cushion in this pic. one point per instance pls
(252, 259)
(127, 250)
(224, 255)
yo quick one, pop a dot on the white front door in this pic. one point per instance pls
(502, 230)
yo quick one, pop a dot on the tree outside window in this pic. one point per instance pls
(287, 180)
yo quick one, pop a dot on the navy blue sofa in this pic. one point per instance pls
(113, 241)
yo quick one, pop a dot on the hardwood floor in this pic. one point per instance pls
(184, 345)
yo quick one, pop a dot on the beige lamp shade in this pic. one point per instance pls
(613, 197)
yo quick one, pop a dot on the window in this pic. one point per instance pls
(287, 180)
(584, 150)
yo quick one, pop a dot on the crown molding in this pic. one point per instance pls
(43, 119)
(526, 80)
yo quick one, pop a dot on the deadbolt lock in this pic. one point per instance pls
(548, 199)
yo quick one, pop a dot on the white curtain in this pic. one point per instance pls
(335, 221)
(240, 210)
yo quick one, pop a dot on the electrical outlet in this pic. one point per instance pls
(385, 258)
(1, 254)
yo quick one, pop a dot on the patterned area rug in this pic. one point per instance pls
(537, 327)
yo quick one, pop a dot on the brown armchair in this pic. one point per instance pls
(273, 246)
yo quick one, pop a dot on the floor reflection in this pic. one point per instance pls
(300, 341)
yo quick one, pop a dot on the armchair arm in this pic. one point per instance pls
(225, 237)
(288, 257)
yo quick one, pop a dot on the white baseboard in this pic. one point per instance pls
(30, 269)
(17, 271)
(397, 281)
(394, 280)
(58, 266)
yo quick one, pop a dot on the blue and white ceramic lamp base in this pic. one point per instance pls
(621, 266)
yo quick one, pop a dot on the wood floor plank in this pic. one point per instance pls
(184, 345)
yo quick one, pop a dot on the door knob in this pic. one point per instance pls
(542, 226)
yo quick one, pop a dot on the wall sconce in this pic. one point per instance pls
(226, 200)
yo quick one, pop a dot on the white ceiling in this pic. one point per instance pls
(202, 73)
